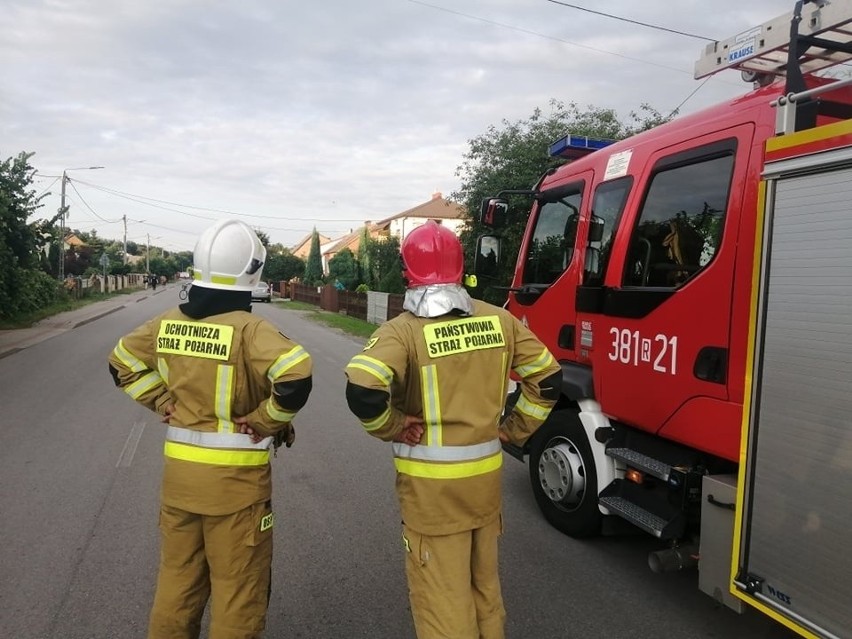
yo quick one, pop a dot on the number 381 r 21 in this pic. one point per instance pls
(629, 347)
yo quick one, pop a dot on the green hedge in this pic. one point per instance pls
(26, 291)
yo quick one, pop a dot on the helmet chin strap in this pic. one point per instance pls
(204, 302)
(436, 300)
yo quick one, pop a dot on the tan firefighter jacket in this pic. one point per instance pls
(453, 372)
(214, 369)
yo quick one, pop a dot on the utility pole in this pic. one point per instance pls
(124, 259)
(62, 211)
(148, 254)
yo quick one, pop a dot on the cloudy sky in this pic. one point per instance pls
(319, 113)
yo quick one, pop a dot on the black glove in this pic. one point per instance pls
(286, 435)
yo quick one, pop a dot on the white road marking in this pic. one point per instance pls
(126, 457)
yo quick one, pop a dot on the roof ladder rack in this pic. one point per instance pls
(816, 35)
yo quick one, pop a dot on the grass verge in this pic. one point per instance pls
(349, 325)
(26, 320)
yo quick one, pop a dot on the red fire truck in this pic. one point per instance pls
(695, 283)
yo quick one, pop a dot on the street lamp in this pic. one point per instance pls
(63, 210)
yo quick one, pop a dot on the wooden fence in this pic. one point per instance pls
(363, 306)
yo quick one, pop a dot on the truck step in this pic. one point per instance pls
(640, 461)
(636, 515)
(647, 509)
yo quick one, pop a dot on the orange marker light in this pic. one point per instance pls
(636, 476)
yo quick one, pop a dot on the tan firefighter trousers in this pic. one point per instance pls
(224, 558)
(454, 584)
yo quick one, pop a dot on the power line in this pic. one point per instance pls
(623, 19)
(140, 199)
(86, 204)
(50, 186)
(549, 37)
(694, 91)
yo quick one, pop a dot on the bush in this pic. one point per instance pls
(362, 288)
(392, 282)
(30, 291)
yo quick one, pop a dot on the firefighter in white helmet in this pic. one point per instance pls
(228, 385)
(433, 380)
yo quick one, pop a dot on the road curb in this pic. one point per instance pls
(97, 317)
(11, 351)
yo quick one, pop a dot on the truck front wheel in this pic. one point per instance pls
(562, 473)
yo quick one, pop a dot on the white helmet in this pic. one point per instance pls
(228, 256)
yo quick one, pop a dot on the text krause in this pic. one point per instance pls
(196, 339)
(463, 335)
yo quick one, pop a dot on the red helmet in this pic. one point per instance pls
(432, 254)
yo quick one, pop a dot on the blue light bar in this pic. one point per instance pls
(575, 146)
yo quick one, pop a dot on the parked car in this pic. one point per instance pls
(262, 292)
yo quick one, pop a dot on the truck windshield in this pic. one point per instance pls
(551, 247)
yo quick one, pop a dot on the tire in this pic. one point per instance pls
(560, 455)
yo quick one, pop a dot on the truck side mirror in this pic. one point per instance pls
(596, 229)
(494, 212)
(487, 257)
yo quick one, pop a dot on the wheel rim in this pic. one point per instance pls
(561, 474)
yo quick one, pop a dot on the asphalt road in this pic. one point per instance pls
(79, 482)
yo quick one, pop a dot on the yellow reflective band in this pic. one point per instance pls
(125, 357)
(463, 335)
(196, 274)
(448, 471)
(223, 279)
(287, 361)
(216, 457)
(533, 410)
(542, 361)
(377, 369)
(195, 339)
(144, 384)
(504, 372)
(378, 422)
(224, 392)
(431, 405)
(277, 414)
(163, 367)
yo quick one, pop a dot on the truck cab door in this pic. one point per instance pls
(657, 332)
(550, 265)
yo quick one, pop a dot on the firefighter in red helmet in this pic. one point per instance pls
(433, 381)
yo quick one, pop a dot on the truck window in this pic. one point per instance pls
(606, 214)
(680, 225)
(552, 244)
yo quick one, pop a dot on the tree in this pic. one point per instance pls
(263, 237)
(132, 248)
(363, 258)
(385, 272)
(514, 157)
(282, 265)
(343, 267)
(313, 268)
(24, 286)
